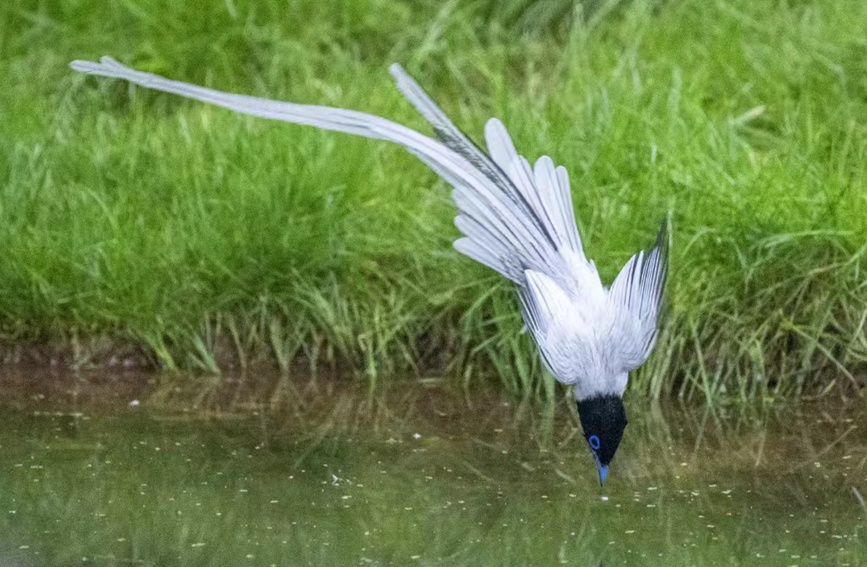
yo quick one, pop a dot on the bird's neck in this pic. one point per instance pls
(601, 385)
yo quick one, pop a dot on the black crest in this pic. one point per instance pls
(605, 418)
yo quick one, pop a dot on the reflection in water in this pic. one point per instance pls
(271, 472)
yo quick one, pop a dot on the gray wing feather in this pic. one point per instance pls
(637, 293)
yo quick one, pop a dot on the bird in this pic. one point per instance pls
(518, 220)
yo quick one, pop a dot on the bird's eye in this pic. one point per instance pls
(594, 442)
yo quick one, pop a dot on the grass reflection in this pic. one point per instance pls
(335, 475)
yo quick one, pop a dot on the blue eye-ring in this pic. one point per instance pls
(594, 442)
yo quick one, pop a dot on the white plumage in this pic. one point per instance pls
(516, 219)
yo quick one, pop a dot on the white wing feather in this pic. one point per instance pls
(635, 301)
(549, 313)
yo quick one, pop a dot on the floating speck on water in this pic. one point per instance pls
(134, 403)
(198, 544)
(604, 498)
(416, 435)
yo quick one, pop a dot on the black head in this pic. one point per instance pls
(603, 419)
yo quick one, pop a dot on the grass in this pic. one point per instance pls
(210, 238)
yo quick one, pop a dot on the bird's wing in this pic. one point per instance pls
(500, 232)
(635, 300)
(543, 305)
(540, 194)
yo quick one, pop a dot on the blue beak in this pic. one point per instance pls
(603, 472)
(603, 469)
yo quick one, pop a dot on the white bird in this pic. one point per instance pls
(519, 221)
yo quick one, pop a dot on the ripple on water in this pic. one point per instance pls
(334, 476)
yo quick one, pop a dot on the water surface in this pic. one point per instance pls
(145, 470)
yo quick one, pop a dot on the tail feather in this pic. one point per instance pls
(452, 136)
(553, 185)
(545, 187)
(480, 240)
(472, 249)
(509, 172)
(500, 193)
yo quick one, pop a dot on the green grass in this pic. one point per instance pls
(210, 237)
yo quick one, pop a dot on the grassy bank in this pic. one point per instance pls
(209, 237)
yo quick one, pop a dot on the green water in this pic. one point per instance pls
(285, 473)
